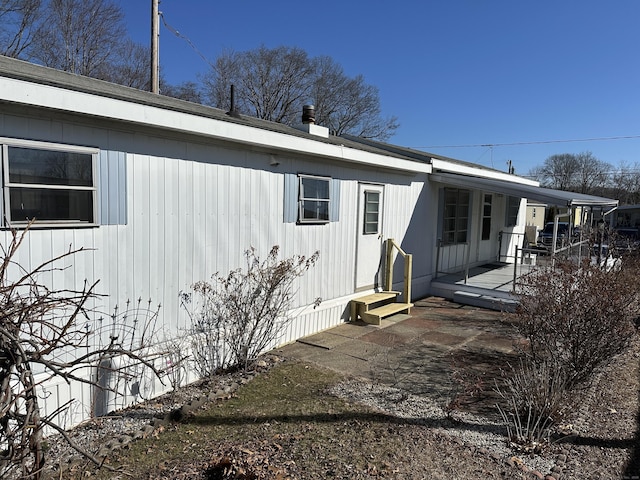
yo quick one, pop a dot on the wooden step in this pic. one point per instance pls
(376, 297)
(375, 315)
(362, 304)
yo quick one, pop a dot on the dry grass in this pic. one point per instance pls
(283, 425)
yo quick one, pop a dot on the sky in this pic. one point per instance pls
(485, 81)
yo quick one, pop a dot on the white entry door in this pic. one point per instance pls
(369, 241)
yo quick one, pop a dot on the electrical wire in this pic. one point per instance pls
(541, 142)
(186, 39)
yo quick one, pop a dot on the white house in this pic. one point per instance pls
(163, 193)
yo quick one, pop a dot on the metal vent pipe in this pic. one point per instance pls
(308, 114)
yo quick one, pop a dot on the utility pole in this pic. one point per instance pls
(155, 40)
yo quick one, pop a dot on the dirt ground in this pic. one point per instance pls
(286, 424)
(371, 446)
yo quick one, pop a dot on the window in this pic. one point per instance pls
(486, 217)
(456, 215)
(313, 202)
(371, 212)
(513, 207)
(52, 184)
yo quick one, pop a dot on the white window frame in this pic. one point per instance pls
(459, 218)
(367, 222)
(302, 199)
(5, 143)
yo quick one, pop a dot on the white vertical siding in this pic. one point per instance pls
(191, 211)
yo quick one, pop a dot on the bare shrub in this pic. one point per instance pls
(578, 317)
(234, 318)
(575, 318)
(45, 334)
(534, 399)
(175, 356)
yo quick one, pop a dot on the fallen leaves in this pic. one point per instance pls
(260, 461)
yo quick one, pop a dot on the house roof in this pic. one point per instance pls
(96, 98)
(47, 77)
(418, 154)
(545, 195)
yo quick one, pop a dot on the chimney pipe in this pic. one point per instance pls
(232, 111)
(308, 114)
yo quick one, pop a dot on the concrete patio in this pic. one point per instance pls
(418, 353)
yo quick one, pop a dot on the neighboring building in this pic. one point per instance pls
(535, 215)
(534, 221)
(626, 216)
(163, 193)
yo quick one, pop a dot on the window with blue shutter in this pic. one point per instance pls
(61, 185)
(311, 199)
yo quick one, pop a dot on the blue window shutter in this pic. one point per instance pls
(290, 198)
(112, 188)
(334, 202)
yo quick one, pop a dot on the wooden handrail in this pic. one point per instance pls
(408, 267)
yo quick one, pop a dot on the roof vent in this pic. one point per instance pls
(309, 122)
(232, 111)
(308, 114)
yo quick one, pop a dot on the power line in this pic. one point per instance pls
(541, 142)
(186, 39)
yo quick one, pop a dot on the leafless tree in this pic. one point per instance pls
(129, 66)
(348, 105)
(44, 335)
(217, 82)
(83, 37)
(80, 36)
(559, 171)
(593, 174)
(18, 21)
(274, 84)
(189, 91)
(582, 173)
(625, 184)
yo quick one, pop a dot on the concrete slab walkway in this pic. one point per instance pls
(430, 352)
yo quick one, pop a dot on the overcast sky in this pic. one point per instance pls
(484, 81)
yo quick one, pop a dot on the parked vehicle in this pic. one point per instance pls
(545, 239)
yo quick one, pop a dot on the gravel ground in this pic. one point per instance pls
(601, 441)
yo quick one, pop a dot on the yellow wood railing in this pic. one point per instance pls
(408, 265)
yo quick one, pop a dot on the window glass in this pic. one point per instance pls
(315, 188)
(371, 212)
(49, 167)
(455, 215)
(513, 207)
(51, 205)
(314, 199)
(49, 185)
(486, 217)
